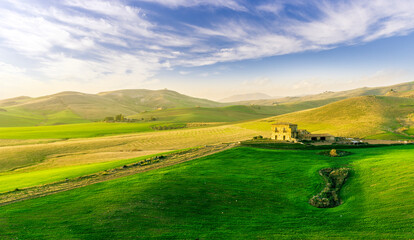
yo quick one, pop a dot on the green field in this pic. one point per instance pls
(15, 117)
(83, 130)
(10, 180)
(240, 193)
(25, 155)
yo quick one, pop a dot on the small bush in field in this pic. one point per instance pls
(333, 153)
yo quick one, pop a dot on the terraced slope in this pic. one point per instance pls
(368, 116)
(237, 194)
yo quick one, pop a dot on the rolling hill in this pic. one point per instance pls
(226, 114)
(164, 105)
(75, 107)
(366, 117)
(401, 89)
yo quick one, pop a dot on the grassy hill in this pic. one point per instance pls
(166, 105)
(334, 96)
(241, 193)
(143, 99)
(74, 107)
(226, 114)
(368, 116)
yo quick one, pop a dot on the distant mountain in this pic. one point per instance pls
(401, 89)
(73, 107)
(246, 97)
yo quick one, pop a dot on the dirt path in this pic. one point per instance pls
(126, 170)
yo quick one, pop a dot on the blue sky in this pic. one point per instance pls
(204, 48)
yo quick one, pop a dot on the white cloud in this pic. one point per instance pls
(74, 50)
(271, 7)
(347, 23)
(339, 23)
(231, 4)
(111, 44)
(184, 72)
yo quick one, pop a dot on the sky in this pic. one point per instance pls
(204, 48)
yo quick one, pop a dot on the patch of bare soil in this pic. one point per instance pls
(126, 170)
(334, 179)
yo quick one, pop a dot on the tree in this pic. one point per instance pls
(109, 119)
(119, 118)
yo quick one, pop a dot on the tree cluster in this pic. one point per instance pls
(119, 118)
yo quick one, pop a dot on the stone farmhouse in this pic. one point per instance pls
(290, 132)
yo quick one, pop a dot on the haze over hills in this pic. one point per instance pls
(246, 97)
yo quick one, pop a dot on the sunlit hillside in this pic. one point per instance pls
(383, 116)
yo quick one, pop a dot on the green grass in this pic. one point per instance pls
(389, 136)
(83, 130)
(18, 117)
(12, 117)
(85, 150)
(10, 181)
(410, 131)
(63, 117)
(242, 193)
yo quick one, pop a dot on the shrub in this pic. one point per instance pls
(119, 118)
(333, 153)
(109, 119)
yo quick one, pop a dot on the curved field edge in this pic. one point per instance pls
(129, 167)
(11, 181)
(239, 193)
